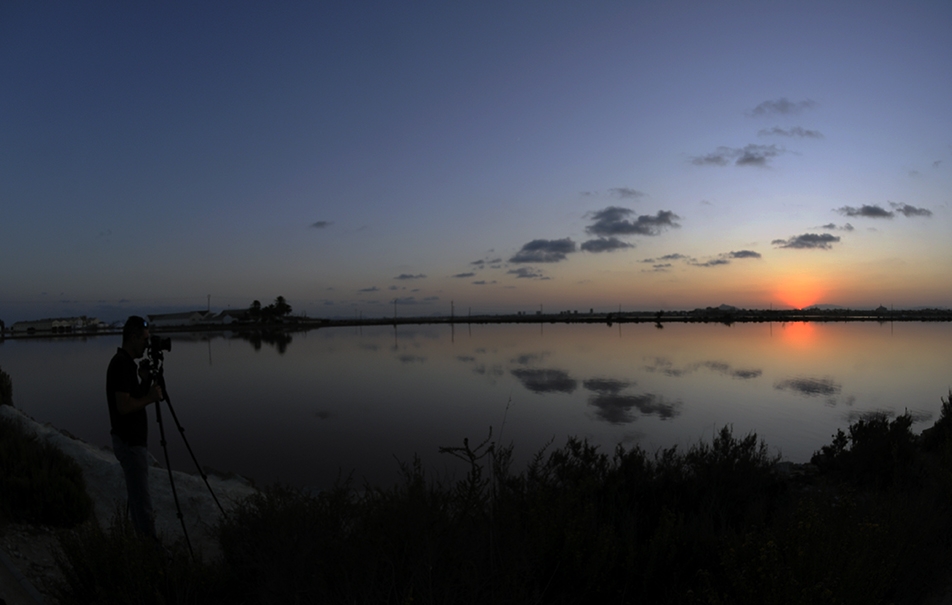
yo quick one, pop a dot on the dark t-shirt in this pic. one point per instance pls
(123, 377)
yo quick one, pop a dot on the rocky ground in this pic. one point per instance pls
(30, 548)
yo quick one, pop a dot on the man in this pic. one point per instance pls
(129, 390)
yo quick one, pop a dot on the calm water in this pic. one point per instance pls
(348, 399)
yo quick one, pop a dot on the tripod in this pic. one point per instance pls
(156, 360)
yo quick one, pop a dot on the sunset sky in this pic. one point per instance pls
(496, 156)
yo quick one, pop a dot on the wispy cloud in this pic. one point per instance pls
(796, 131)
(834, 227)
(875, 211)
(526, 273)
(781, 107)
(544, 251)
(743, 254)
(613, 221)
(807, 241)
(605, 245)
(370, 289)
(910, 211)
(866, 211)
(410, 276)
(321, 224)
(749, 155)
(626, 193)
(545, 381)
(464, 275)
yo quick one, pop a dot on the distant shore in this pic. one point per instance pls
(723, 315)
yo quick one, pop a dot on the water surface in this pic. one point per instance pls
(306, 407)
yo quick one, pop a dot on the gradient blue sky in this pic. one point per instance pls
(499, 155)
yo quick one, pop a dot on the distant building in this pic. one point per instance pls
(57, 325)
(174, 320)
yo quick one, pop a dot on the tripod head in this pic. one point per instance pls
(157, 345)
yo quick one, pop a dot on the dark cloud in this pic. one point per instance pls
(461, 275)
(833, 227)
(936, 164)
(409, 276)
(910, 211)
(544, 251)
(606, 386)
(617, 409)
(483, 262)
(866, 211)
(613, 221)
(605, 245)
(781, 106)
(545, 381)
(744, 254)
(712, 263)
(750, 155)
(370, 289)
(526, 273)
(626, 192)
(321, 224)
(810, 387)
(808, 241)
(666, 257)
(796, 131)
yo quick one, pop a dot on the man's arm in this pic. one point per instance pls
(126, 403)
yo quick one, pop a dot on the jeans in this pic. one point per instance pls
(135, 466)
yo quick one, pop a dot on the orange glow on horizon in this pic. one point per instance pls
(799, 292)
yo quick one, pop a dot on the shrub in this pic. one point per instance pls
(877, 453)
(115, 565)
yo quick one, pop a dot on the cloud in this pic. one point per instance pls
(544, 251)
(606, 386)
(910, 211)
(626, 192)
(781, 107)
(712, 263)
(546, 381)
(666, 257)
(810, 387)
(462, 275)
(613, 221)
(808, 241)
(483, 262)
(605, 245)
(866, 211)
(321, 224)
(370, 289)
(796, 131)
(749, 155)
(617, 409)
(744, 254)
(833, 227)
(526, 273)
(409, 276)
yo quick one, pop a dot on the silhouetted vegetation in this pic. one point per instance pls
(720, 523)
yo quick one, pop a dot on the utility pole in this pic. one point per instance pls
(452, 310)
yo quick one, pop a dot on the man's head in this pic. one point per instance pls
(135, 336)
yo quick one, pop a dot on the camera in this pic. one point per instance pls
(157, 344)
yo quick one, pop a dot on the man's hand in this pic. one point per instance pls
(145, 373)
(155, 393)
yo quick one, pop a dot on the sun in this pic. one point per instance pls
(799, 292)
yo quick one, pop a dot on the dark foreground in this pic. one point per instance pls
(870, 521)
